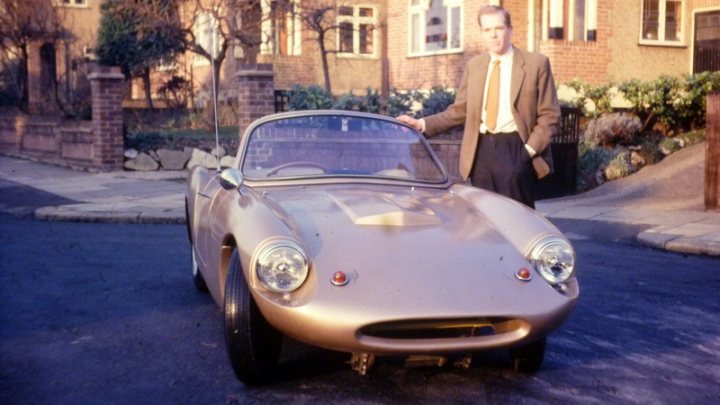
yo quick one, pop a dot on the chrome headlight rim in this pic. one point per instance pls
(272, 276)
(549, 269)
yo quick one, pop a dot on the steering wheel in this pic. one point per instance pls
(275, 170)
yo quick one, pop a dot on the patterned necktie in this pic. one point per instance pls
(493, 95)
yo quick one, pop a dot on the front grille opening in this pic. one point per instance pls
(438, 328)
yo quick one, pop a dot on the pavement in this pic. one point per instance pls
(667, 198)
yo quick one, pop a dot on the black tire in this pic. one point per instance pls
(528, 359)
(198, 278)
(253, 345)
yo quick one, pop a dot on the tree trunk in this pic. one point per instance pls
(326, 67)
(23, 79)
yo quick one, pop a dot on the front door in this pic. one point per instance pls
(707, 42)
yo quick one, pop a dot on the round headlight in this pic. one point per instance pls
(282, 268)
(554, 260)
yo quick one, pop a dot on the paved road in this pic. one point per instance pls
(107, 313)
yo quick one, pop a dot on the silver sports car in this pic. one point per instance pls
(342, 230)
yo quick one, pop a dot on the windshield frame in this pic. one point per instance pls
(443, 181)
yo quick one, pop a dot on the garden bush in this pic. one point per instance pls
(369, 103)
(312, 97)
(599, 97)
(612, 129)
(401, 102)
(436, 101)
(671, 104)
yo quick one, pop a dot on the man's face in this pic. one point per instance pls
(495, 34)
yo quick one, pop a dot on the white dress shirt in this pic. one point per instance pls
(505, 120)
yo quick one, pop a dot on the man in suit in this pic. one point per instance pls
(508, 103)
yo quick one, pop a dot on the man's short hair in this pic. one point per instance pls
(494, 10)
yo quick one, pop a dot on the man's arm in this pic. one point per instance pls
(438, 123)
(454, 115)
(548, 110)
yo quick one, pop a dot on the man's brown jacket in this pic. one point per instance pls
(535, 107)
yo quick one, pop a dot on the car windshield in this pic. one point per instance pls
(338, 145)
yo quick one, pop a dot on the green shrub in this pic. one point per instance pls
(437, 101)
(401, 102)
(691, 105)
(669, 145)
(369, 103)
(372, 102)
(347, 101)
(649, 150)
(676, 104)
(693, 137)
(591, 159)
(599, 96)
(312, 97)
(619, 166)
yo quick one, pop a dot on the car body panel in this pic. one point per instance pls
(420, 256)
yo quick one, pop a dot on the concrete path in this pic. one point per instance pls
(668, 197)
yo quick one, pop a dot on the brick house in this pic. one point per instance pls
(416, 44)
(596, 41)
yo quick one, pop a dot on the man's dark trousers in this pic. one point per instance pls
(503, 165)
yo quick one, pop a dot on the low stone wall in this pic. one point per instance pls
(89, 145)
(48, 139)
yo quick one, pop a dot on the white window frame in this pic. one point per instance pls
(73, 3)
(356, 21)
(660, 41)
(421, 10)
(205, 23)
(294, 38)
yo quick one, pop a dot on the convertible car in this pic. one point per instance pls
(343, 230)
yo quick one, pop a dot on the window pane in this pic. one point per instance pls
(346, 37)
(436, 27)
(345, 10)
(366, 38)
(579, 20)
(651, 14)
(673, 20)
(455, 35)
(366, 12)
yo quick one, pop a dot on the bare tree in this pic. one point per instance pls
(320, 18)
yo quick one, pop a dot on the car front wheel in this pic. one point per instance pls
(253, 345)
(528, 358)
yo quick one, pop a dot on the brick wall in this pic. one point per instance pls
(94, 145)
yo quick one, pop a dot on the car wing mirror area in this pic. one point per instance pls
(230, 179)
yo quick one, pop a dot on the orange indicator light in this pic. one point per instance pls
(339, 278)
(523, 274)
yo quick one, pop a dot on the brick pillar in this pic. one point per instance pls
(108, 88)
(256, 94)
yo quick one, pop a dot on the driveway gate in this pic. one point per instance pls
(563, 180)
